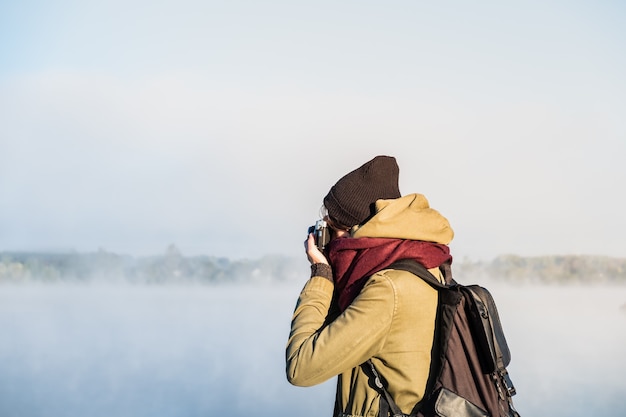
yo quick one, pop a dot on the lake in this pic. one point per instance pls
(165, 351)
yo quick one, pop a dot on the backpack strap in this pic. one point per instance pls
(387, 405)
(420, 270)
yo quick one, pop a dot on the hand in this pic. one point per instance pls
(313, 253)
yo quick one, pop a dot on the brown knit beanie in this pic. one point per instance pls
(351, 199)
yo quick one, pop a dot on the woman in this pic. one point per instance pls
(355, 308)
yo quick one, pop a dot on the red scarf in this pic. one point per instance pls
(355, 260)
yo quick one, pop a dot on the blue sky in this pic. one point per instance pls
(219, 126)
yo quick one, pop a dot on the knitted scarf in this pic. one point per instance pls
(355, 260)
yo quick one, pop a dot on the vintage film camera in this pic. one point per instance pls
(321, 233)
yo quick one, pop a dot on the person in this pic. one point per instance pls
(355, 308)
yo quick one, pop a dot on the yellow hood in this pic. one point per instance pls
(409, 217)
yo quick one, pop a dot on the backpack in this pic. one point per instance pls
(468, 376)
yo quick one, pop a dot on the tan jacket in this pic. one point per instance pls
(391, 321)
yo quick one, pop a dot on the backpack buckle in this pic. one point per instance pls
(508, 384)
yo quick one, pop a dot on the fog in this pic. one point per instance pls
(164, 351)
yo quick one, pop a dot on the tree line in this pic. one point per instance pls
(170, 267)
(553, 269)
(174, 267)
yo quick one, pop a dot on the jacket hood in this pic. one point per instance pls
(409, 217)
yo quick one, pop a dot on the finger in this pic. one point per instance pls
(311, 241)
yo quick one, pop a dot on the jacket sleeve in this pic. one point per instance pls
(316, 353)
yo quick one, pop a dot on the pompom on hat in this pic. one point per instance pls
(351, 199)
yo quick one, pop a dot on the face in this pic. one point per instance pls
(335, 231)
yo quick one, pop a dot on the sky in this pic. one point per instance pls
(220, 126)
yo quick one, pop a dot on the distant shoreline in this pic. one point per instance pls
(174, 267)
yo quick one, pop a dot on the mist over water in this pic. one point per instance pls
(161, 351)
